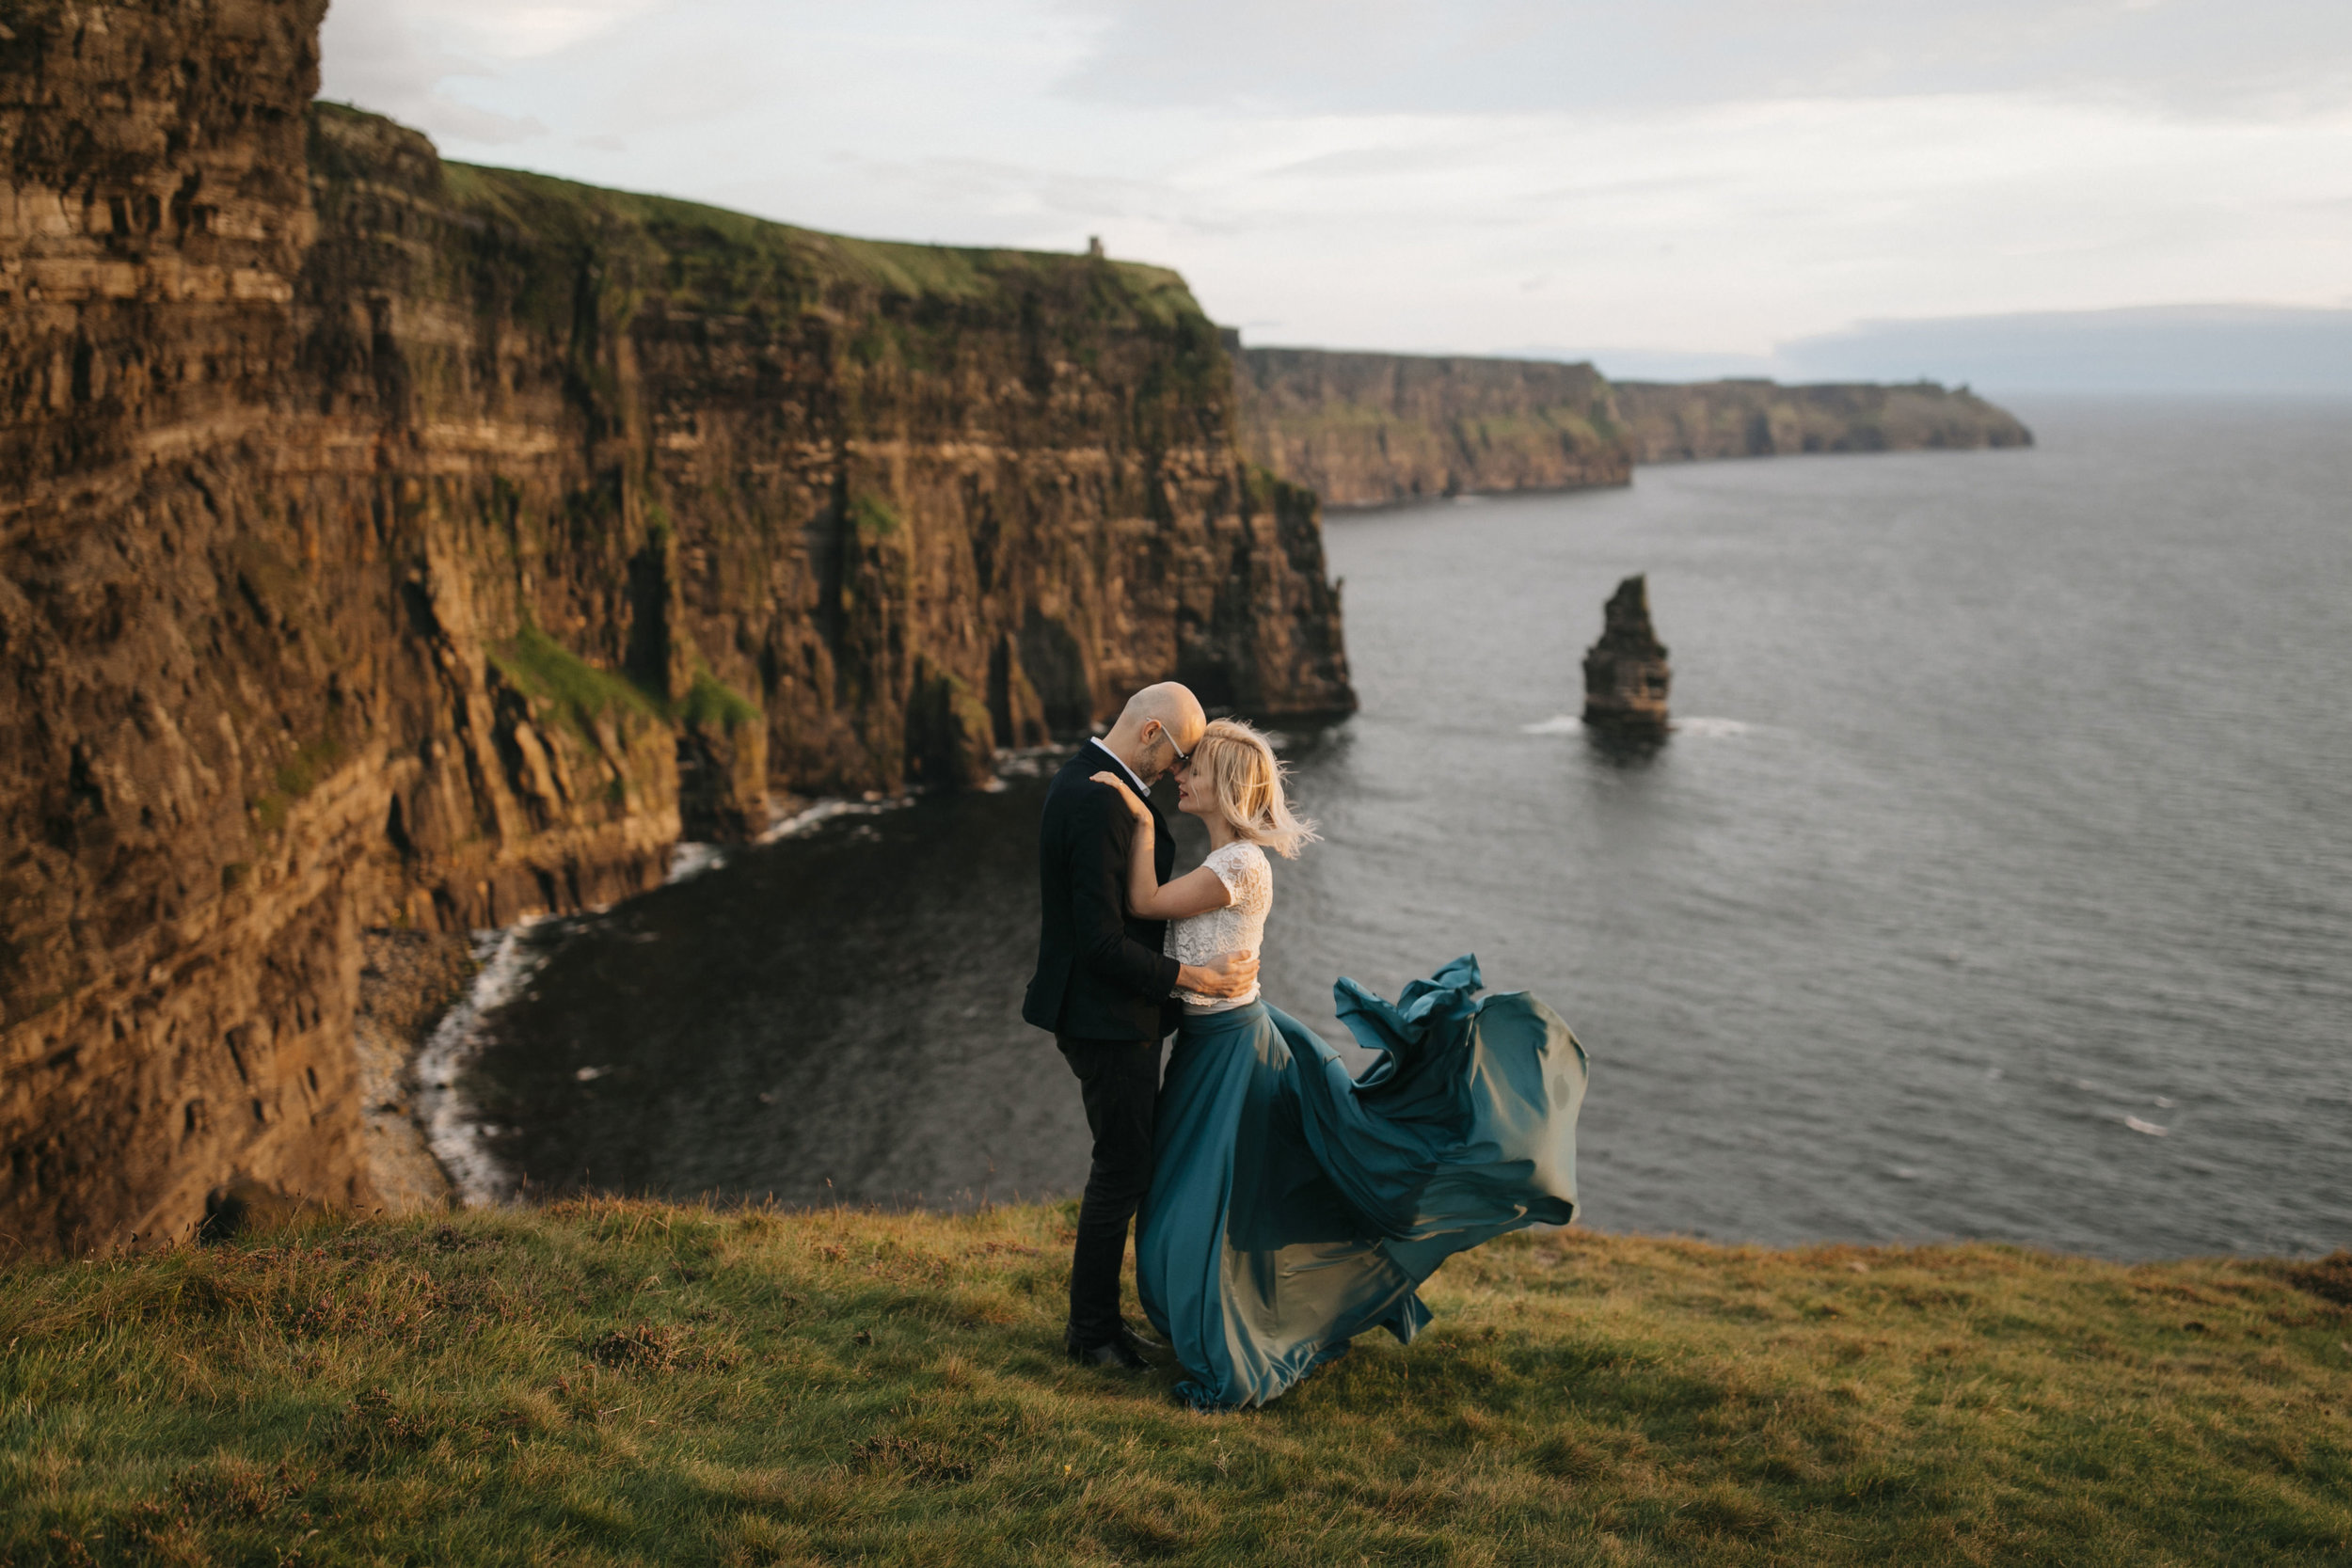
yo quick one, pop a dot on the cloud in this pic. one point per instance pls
(1702, 177)
(2231, 57)
(2200, 348)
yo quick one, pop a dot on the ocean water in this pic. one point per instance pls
(1996, 880)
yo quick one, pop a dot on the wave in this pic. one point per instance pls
(453, 1126)
(688, 860)
(809, 818)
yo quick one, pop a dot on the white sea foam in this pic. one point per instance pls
(688, 860)
(2148, 1127)
(452, 1125)
(1033, 761)
(1567, 723)
(809, 818)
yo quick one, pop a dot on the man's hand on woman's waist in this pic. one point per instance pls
(1231, 974)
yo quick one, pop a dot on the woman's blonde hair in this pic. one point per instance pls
(1243, 778)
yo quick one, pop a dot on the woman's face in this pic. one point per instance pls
(1193, 797)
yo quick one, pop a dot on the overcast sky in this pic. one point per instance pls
(1701, 177)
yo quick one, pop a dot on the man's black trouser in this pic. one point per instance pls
(1120, 1083)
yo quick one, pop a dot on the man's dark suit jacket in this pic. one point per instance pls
(1100, 971)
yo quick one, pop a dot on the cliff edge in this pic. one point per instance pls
(392, 543)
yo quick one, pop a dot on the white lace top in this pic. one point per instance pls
(1238, 927)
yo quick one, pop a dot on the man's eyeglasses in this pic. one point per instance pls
(1184, 758)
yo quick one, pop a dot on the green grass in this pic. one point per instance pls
(716, 257)
(627, 1382)
(579, 695)
(873, 515)
(712, 701)
(577, 691)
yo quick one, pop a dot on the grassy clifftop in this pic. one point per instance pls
(711, 258)
(618, 1382)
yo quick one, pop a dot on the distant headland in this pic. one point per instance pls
(1369, 428)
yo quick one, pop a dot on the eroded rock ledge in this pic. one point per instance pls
(387, 543)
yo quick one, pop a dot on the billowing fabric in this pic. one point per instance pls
(1293, 1206)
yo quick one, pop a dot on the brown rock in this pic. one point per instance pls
(1626, 676)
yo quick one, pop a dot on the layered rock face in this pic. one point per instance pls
(1368, 429)
(390, 543)
(1626, 674)
(1681, 422)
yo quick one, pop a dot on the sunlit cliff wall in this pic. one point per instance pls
(389, 542)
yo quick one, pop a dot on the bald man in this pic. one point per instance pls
(1104, 988)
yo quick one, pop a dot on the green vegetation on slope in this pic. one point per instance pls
(712, 701)
(579, 695)
(625, 1382)
(577, 691)
(718, 259)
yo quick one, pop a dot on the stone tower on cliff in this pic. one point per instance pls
(1626, 674)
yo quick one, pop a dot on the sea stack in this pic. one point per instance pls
(1625, 673)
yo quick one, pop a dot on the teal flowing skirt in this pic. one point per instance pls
(1295, 1205)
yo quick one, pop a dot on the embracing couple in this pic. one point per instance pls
(1283, 1204)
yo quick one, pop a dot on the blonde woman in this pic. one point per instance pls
(1293, 1205)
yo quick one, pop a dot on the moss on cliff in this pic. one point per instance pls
(712, 701)
(575, 690)
(623, 1382)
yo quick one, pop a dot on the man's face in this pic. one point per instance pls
(1163, 751)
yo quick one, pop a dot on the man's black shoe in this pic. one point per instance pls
(1119, 1352)
(1145, 1341)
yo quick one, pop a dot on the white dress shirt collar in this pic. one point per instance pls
(1142, 793)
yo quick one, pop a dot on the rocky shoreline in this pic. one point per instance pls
(408, 980)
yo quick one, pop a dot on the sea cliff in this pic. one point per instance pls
(1364, 429)
(1682, 422)
(386, 541)
(1367, 429)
